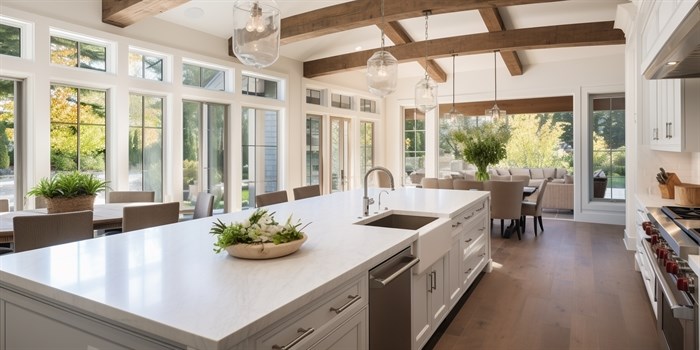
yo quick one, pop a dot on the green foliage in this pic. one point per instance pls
(189, 172)
(535, 142)
(71, 184)
(483, 145)
(4, 152)
(260, 227)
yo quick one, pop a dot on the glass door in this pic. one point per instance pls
(313, 149)
(340, 138)
(9, 98)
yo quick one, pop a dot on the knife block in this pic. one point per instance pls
(668, 190)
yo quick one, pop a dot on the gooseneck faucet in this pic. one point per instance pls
(366, 201)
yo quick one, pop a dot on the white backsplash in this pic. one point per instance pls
(685, 165)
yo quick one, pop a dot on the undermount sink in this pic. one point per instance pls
(402, 221)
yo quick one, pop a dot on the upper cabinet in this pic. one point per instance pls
(660, 19)
(672, 109)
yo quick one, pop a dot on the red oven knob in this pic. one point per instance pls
(682, 284)
(671, 267)
(662, 253)
(648, 230)
(646, 224)
(654, 239)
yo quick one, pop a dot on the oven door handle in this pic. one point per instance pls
(680, 311)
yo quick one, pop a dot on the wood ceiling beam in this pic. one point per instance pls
(122, 13)
(494, 23)
(398, 35)
(568, 35)
(363, 13)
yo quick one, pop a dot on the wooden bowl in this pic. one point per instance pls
(265, 250)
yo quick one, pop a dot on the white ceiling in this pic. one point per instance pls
(214, 17)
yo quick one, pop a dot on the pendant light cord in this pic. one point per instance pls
(426, 44)
(453, 82)
(495, 81)
(381, 6)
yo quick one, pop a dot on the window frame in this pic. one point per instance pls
(142, 127)
(228, 74)
(27, 41)
(110, 49)
(166, 69)
(257, 80)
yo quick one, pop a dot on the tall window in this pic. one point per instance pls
(366, 146)
(608, 147)
(74, 53)
(10, 40)
(259, 87)
(146, 144)
(145, 66)
(414, 144)
(260, 154)
(313, 149)
(341, 101)
(204, 77)
(78, 130)
(203, 150)
(9, 172)
(313, 96)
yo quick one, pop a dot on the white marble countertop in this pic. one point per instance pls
(167, 281)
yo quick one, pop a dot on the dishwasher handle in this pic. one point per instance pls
(407, 262)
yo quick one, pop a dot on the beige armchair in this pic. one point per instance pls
(460, 184)
(429, 182)
(506, 201)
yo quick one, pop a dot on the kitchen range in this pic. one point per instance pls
(672, 234)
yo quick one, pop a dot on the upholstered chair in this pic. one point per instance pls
(265, 199)
(506, 202)
(534, 209)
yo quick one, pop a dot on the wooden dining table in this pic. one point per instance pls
(104, 217)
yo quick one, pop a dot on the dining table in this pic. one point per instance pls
(104, 217)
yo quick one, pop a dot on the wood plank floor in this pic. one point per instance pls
(573, 287)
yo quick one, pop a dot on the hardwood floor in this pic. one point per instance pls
(573, 287)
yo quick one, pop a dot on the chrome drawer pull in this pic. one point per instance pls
(469, 217)
(482, 208)
(467, 241)
(468, 271)
(353, 299)
(482, 255)
(305, 333)
(482, 228)
(457, 224)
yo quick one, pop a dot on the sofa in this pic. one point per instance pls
(560, 190)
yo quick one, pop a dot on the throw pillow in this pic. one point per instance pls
(568, 179)
(519, 171)
(550, 172)
(537, 173)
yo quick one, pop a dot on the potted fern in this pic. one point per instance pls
(71, 191)
(483, 145)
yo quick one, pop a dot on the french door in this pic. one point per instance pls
(339, 153)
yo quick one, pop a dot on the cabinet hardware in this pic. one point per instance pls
(670, 130)
(482, 255)
(457, 224)
(482, 228)
(434, 280)
(304, 333)
(353, 299)
(469, 217)
(482, 207)
(430, 282)
(468, 271)
(467, 241)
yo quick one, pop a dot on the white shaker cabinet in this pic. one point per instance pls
(660, 19)
(429, 301)
(672, 107)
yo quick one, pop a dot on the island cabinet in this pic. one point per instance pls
(338, 320)
(438, 289)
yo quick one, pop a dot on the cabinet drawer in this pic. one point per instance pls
(478, 228)
(315, 320)
(466, 219)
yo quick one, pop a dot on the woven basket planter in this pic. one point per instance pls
(63, 204)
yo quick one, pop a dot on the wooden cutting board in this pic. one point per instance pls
(687, 194)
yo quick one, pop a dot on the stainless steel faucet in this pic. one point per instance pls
(366, 201)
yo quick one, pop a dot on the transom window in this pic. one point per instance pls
(10, 40)
(74, 53)
(259, 87)
(313, 96)
(341, 101)
(145, 66)
(204, 77)
(369, 106)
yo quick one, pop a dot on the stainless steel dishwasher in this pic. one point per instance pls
(390, 302)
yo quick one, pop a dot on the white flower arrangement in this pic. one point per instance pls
(260, 228)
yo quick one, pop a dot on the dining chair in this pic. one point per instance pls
(429, 182)
(150, 215)
(203, 205)
(307, 191)
(4, 205)
(39, 231)
(534, 209)
(265, 199)
(445, 184)
(506, 202)
(130, 196)
(461, 184)
(499, 177)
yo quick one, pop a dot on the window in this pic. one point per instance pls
(204, 77)
(203, 150)
(145, 66)
(74, 53)
(260, 154)
(368, 105)
(9, 133)
(259, 87)
(313, 149)
(313, 96)
(341, 101)
(366, 146)
(414, 143)
(608, 147)
(146, 144)
(78, 130)
(10, 40)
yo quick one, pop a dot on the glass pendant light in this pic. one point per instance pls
(256, 32)
(494, 112)
(426, 89)
(382, 68)
(453, 115)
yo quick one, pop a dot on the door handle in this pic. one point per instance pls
(382, 282)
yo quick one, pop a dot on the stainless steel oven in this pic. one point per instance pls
(668, 245)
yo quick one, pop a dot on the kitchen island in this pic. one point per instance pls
(165, 287)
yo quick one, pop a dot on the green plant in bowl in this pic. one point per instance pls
(483, 145)
(68, 185)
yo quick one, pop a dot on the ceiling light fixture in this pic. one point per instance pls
(453, 115)
(382, 68)
(426, 89)
(495, 113)
(671, 63)
(256, 32)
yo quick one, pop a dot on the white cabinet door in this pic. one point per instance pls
(351, 335)
(454, 275)
(420, 308)
(671, 107)
(439, 295)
